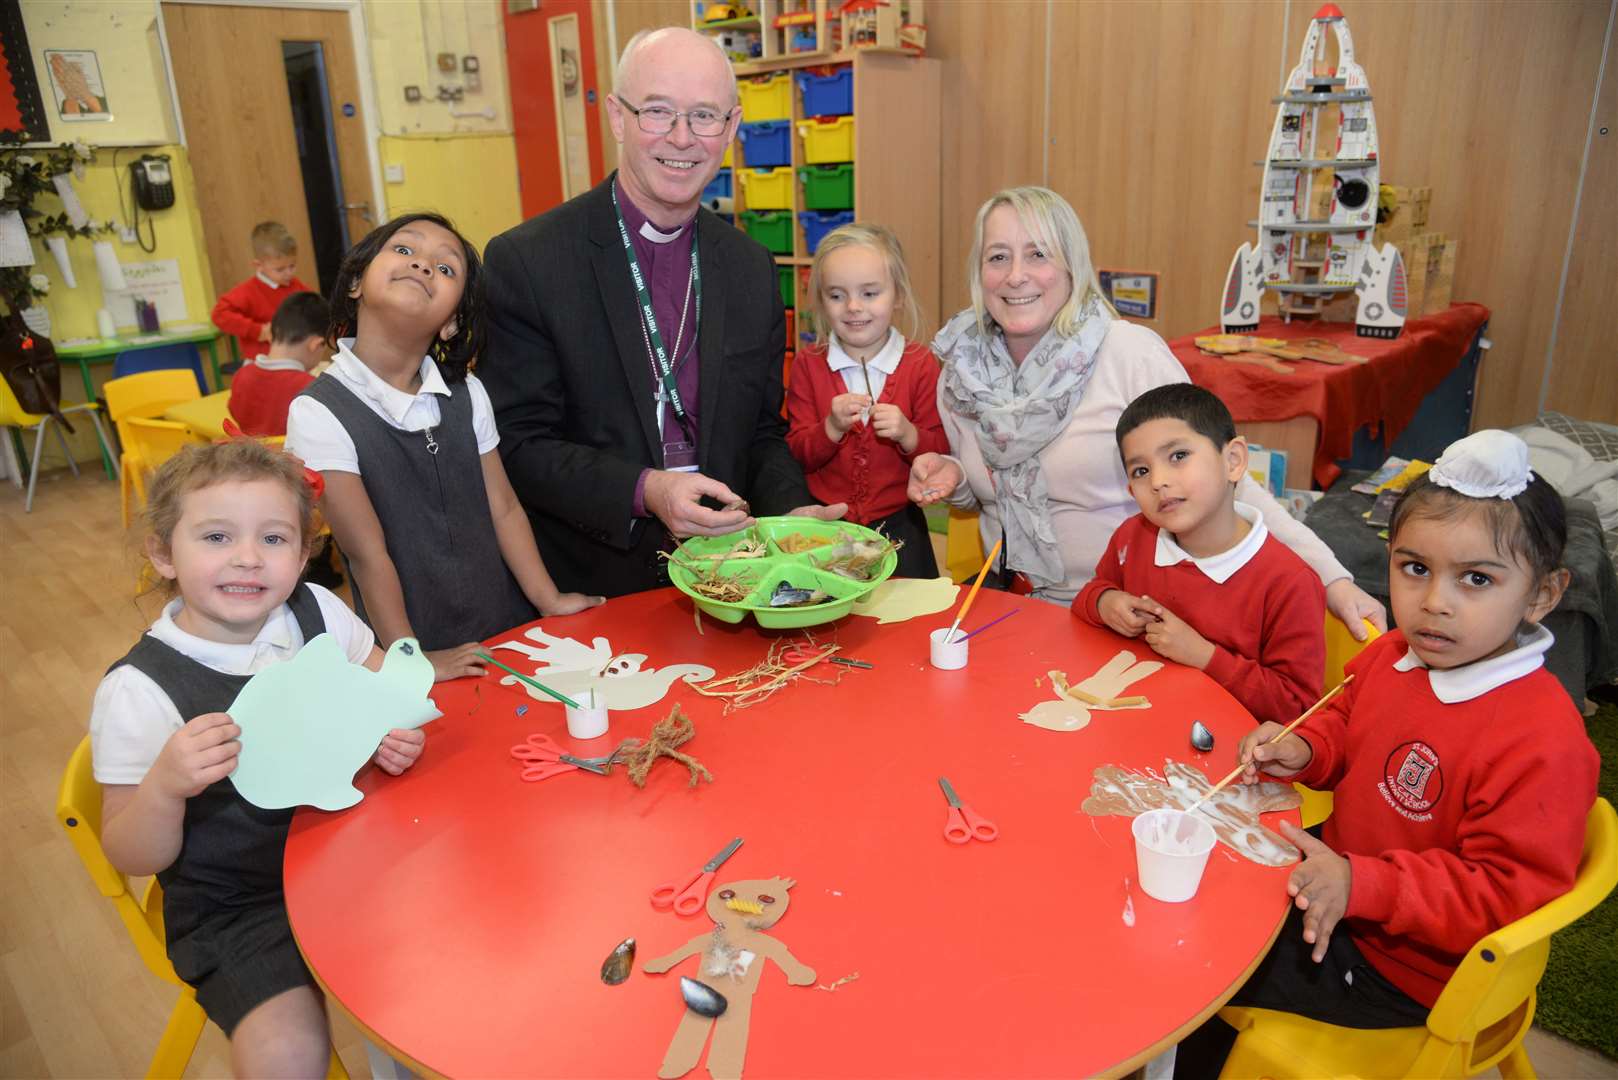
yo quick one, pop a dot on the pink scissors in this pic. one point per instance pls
(691, 896)
(542, 757)
(964, 824)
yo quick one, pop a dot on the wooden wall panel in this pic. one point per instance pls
(1584, 377)
(632, 17)
(993, 116)
(1158, 112)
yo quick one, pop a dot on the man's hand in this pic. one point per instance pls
(1352, 605)
(200, 753)
(834, 512)
(1320, 886)
(675, 499)
(1122, 612)
(399, 750)
(1173, 638)
(932, 477)
(890, 422)
(456, 662)
(844, 413)
(1280, 759)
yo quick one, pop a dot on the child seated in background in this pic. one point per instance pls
(246, 310)
(1196, 572)
(1461, 770)
(263, 389)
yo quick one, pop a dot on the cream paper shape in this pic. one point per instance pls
(618, 679)
(898, 599)
(1068, 713)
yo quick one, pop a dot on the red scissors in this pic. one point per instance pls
(542, 757)
(963, 823)
(690, 896)
(798, 654)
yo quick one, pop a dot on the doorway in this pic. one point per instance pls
(270, 101)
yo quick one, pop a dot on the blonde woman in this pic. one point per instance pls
(1036, 373)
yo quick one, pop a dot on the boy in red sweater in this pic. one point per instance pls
(246, 310)
(1196, 572)
(262, 391)
(1461, 770)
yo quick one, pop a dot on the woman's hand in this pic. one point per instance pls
(570, 603)
(844, 413)
(1352, 605)
(932, 477)
(890, 422)
(1319, 886)
(201, 753)
(453, 663)
(399, 750)
(1280, 759)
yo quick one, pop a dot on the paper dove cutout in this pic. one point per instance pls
(618, 679)
(898, 599)
(1067, 713)
(1233, 812)
(310, 724)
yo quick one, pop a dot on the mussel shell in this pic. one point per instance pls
(701, 998)
(618, 964)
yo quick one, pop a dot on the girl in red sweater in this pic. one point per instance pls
(1461, 769)
(862, 406)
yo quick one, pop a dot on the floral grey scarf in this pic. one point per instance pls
(1018, 410)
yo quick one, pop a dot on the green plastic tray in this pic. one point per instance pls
(764, 573)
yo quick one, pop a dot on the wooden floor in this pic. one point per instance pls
(75, 1000)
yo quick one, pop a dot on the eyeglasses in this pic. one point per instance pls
(660, 119)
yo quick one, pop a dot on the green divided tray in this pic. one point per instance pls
(764, 573)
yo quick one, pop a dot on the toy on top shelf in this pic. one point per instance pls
(718, 12)
(883, 24)
(1306, 259)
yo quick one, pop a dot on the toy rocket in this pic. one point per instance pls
(1303, 258)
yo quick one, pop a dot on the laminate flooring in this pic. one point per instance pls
(75, 1000)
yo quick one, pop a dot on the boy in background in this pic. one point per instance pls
(246, 310)
(263, 389)
(1196, 572)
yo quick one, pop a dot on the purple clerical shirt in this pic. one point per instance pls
(666, 263)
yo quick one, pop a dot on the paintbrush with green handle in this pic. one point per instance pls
(535, 683)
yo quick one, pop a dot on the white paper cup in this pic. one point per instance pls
(948, 655)
(1171, 851)
(589, 720)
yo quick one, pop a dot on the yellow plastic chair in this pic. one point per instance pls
(142, 396)
(78, 808)
(147, 444)
(1340, 649)
(963, 546)
(1479, 1020)
(13, 416)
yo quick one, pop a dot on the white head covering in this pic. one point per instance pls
(1487, 464)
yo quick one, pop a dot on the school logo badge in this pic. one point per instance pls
(1413, 779)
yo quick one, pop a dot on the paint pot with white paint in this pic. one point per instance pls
(948, 648)
(1171, 851)
(589, 719)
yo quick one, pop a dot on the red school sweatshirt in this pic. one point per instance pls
(1266, 621)
(1456, 819)
(868, 473)
(246, 309)
(260, 397)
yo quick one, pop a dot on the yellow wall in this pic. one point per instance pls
(471, 179)
(123, 36)
(406, 37)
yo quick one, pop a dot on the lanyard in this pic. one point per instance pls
(663, 369)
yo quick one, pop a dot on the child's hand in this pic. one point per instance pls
(453, 663)
(264, 332)
(570, 603)
(932, 477)
(1172, 637)
(1281, 759)
(399, 750)
(890, 422)
(200, 753)
(1320, 886)
(1122, 612)
(845, 413)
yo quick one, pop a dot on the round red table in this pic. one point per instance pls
(461, 915)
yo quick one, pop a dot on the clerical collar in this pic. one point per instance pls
(637, 220)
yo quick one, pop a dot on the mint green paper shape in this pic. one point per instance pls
(310, 724)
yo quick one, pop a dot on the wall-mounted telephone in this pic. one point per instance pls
(152, 182)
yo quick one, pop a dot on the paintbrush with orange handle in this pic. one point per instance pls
(973, 595)
(1237, 771)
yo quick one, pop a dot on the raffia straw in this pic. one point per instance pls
(770, 675)
(672, 731)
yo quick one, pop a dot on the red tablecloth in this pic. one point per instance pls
(1342, 399)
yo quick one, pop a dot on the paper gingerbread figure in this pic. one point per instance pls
(734, 956)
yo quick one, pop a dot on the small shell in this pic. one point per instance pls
(618, 964)
(701, 998)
